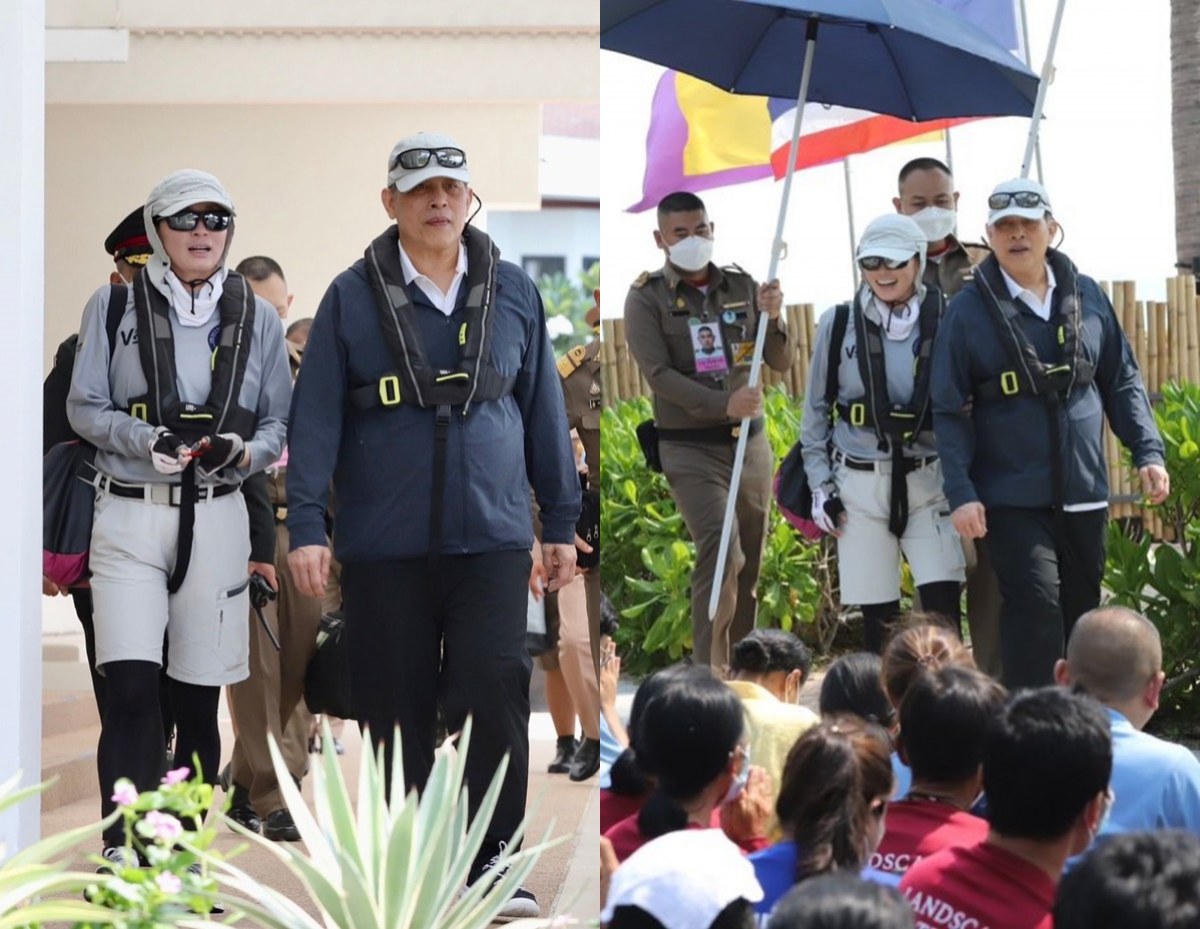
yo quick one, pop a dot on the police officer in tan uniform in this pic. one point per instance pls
(700, 397)
(926, 193)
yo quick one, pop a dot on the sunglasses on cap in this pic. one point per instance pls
(186, 222)
(415, 158)
(874, 262)
(1026, 199)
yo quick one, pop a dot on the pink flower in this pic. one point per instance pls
(124, 793)
(163, 826)
(178, 776)
(168, 883)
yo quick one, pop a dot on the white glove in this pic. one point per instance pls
(824, 521)
(167, 451)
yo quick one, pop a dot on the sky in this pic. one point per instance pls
(1106, 155)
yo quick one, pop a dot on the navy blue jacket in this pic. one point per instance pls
(381, 460)
(998, 451)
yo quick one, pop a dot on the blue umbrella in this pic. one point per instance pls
(907, 58)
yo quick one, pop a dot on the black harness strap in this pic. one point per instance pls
(437, 497)
(187, 526)
(895, 425)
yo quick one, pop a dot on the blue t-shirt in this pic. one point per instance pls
(775, 868)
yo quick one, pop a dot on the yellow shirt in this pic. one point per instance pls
(772, 728)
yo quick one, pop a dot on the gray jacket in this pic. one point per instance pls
(816, 432)
(101, 387)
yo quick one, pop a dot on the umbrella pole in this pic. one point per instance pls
(850, 220)
(777, 248)
(1037, 146)
(1043, 86)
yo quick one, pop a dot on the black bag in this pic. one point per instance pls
(647, 436)
(588, 529)
(792, 494)
(68, 465)
(327, 680)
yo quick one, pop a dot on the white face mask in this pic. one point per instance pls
(935, 222)
(691, 254)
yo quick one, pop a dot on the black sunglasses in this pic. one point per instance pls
(415, 158)
(186, 222)
(1026, 199)
(874, 263)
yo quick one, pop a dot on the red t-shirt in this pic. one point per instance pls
(979, 887)
(917, 829)
(627, 838)
(615, 807)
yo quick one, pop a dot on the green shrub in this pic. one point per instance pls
(1162, 580)
(648, 555)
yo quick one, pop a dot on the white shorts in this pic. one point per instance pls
(869, 555)
(206, 621)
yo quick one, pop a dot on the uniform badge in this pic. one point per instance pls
(680, 302)
(729, 317)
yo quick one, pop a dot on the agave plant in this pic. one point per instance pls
(33, 873)
(397, 862)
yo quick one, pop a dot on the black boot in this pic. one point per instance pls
(587, 760)
(564, 756)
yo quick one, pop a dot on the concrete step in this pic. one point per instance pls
(67, 711)
(69, 760)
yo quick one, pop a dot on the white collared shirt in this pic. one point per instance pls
(443, 301)
(1040, 307)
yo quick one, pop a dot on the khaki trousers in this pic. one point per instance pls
(264, 703)
(699, 473)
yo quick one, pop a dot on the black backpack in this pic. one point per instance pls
(68, 469)
(55, 426)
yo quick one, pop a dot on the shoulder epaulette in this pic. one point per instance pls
(643, 278)
(571, 360)
(736, 269)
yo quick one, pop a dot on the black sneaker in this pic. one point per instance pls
(214, 909)
(563, 756)
(280, 827)
(118, 858)
(522, 904)
(587, 760)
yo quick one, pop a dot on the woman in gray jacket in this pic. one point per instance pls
(869, 456)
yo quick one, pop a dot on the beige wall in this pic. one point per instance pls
(294, 106)
(305, 181)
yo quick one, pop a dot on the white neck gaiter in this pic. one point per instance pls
(897, 323)
(195, 308)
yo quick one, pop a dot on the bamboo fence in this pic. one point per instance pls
(1164, 336)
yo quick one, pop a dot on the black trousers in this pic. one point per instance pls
(1046, 583)
(456, 637)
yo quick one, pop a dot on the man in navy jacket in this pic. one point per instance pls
(429, 395)
(1029, 361)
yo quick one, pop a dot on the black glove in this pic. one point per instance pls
(164, 452)
(214, 452)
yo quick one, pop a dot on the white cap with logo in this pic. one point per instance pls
(1022, 196)
(429, 155)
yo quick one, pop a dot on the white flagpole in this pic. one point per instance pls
(1043, 86)
(777, 247)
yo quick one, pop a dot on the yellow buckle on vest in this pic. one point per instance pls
(462, 334)
(1009, 385)
(389, 390)
(858, 414)
(1062, 336)
(139, 411)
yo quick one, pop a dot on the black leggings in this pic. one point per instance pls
(131, 733)
(941, 598)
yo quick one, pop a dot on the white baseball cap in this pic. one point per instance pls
(683, 879)
(434, 156)
(892, 236)
(1003, 201)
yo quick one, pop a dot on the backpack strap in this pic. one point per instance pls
(841, 319)
(118, 295)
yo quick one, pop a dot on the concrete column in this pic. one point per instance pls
(22, 121)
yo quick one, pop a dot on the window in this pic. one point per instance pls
(537, 265)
